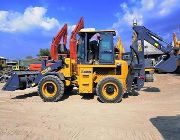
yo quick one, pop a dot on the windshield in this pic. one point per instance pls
(80, 49)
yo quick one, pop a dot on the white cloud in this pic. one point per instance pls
(127, 18)
(150, 13)
(124, 6)
(148, 4)
(33, 17)
(146, 9)
(166, 6)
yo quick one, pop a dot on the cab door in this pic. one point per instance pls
(106, 49)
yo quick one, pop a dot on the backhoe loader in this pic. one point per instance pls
(111, 78)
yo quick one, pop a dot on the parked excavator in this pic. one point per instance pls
(111, 78)
(59, 49)
(55, 47)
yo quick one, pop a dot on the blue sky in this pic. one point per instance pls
(28, 25)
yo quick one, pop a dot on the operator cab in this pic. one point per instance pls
(106, 46)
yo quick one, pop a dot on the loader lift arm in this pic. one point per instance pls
(54, 46)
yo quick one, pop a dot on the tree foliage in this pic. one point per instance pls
(44, 52)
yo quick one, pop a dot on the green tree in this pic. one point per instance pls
(44, 52)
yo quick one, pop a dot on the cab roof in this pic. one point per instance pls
(97, 31)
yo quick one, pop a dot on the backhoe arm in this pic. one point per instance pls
(73, 40)
(152, 38)
(62, 34)
(137, 65)
(167, 63)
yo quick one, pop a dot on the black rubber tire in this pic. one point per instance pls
(60, 88)
(99, 87)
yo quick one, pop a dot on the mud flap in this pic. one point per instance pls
(12, 84)
(168, 65)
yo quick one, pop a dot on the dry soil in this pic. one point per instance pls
(153, 114)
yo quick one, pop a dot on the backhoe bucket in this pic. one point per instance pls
(12, 83)
(168, 65)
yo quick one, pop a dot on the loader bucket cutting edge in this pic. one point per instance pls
(12, 83)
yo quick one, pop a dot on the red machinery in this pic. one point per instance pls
(54, 46)
(73, 40)
(62, 34)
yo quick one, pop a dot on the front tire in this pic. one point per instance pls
(51, 88)
(109, 90)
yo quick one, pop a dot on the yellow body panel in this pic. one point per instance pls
(149, 70)
(85, 79)
(67, 82)
(67, 69)
(89, 74)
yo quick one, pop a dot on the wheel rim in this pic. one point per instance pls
(49, 89)
(110, 90)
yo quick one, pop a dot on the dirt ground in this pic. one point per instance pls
(153, 114)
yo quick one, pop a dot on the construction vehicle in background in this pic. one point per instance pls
(2, 63)
(112, 77)
(6, 68)
(3, 70)
(175, 40)
(19, 66)
(176, 43)
(56, 49)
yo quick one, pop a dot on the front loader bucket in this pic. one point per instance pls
(12, 84)
(20, 80)
(167, 65)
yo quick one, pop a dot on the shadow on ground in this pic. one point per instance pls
(151, 89)
(66, 95)
(24, 96)
(168, 126)
(87, 96)
(29, 95)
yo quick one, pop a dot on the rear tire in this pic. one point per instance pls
(109, 90)
(51, 88)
